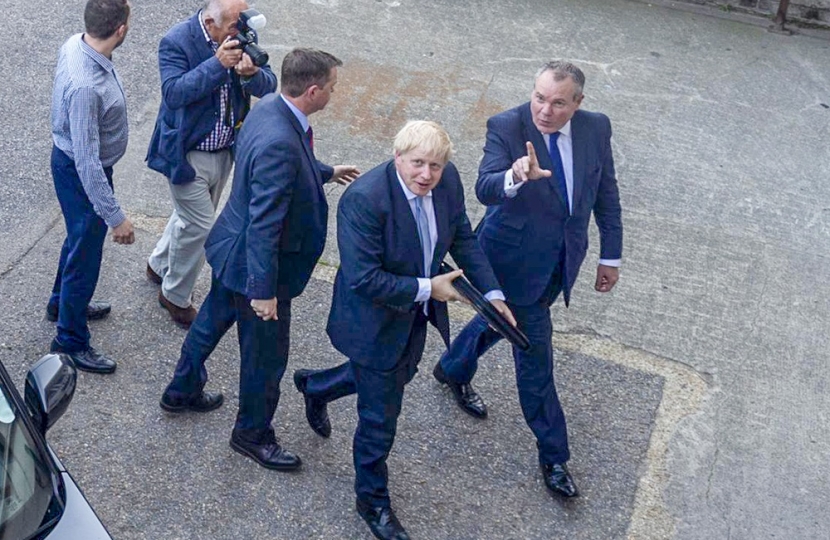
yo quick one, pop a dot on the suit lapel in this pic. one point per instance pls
(402, 209)
(578, 145)
(533, 135)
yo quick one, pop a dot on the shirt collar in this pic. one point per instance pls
(406, 191)
(564, 131)
(102, 60)
(205, 32)
(297, 112)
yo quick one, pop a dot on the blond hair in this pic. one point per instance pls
(427, 136)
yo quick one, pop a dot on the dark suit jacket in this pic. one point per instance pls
(525, 237)
(272, 230)
(373, 305)
(191, 77)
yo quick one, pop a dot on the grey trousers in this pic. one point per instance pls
(180, 252)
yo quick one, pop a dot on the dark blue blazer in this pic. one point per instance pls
(191, 77)
(525, 237)
(373, 307)
(272, 230)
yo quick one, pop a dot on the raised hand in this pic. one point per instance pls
(527, 167)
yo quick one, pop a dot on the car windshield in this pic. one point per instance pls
(26, 485)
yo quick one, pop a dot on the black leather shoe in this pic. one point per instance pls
(269, 455)
(89, 360)
(559, 480)
(382, 521)
(315, 409)
(201, 402)
(94, 311)
(466, 397)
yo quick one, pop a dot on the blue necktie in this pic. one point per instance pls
(423, 233)
(310, 133)
(558, 168)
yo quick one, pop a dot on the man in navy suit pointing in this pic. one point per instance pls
(547, 166)
(394, 227)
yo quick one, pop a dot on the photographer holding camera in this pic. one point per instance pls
(208, 76)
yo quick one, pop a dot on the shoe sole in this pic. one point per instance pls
(185, 408)
(560, 494)
(105, 371)
(97, 316)
(241, 450)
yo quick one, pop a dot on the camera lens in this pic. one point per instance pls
(258, 56)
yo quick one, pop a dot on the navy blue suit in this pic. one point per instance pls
(191, 76)
(374, 319)
(265, 244)
(536, 249)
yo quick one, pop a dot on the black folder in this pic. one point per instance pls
(486, 310)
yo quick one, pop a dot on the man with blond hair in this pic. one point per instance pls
(394, 227)
(206, 86)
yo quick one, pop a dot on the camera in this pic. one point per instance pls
(249, 22)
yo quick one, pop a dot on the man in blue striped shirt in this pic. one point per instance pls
(89, 132)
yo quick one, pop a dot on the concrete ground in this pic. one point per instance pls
(696, 392)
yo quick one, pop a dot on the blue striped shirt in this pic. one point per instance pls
(89, 121)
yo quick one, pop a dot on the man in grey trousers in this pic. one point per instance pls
(206, 86)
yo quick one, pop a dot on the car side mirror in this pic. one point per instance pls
(50, 385)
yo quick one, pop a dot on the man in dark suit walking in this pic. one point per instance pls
(206, 86)
(547, 165)
(262, 251)
(394, 228)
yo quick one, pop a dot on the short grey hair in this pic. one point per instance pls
(215, 9)
(562, 70)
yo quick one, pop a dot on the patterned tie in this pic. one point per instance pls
(310, 133)
(423, 233)
(558, 169)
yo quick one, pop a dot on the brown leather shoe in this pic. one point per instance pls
(152, 276)
(182, 316)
